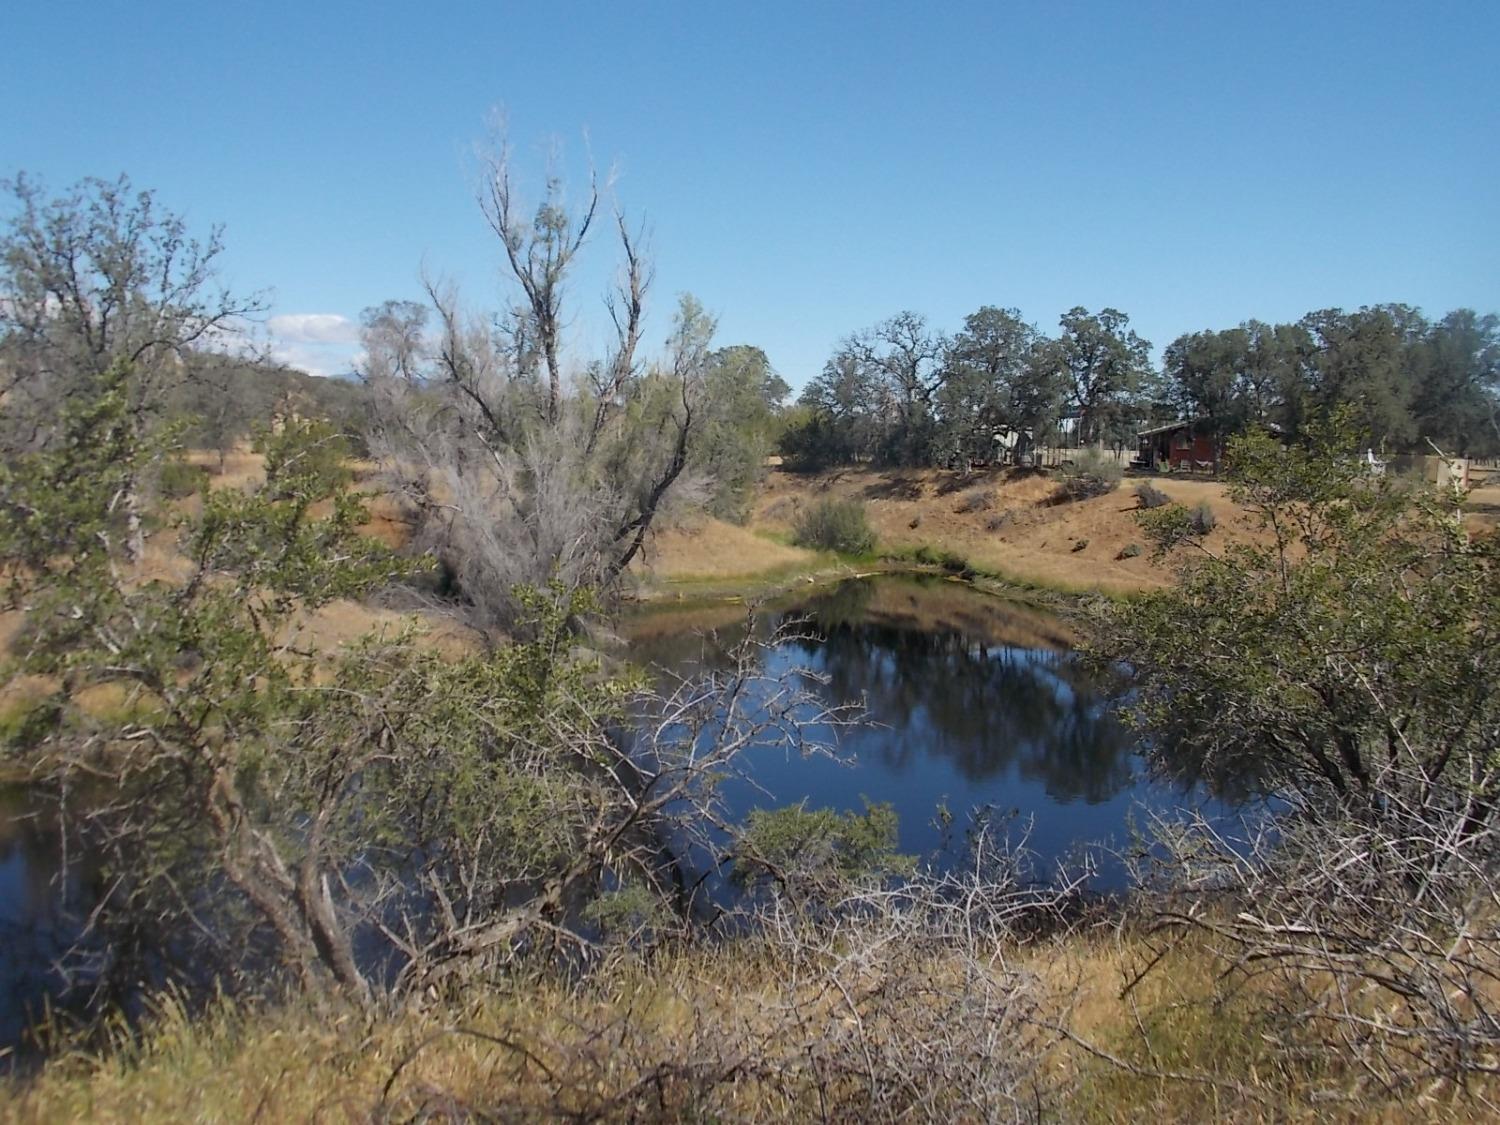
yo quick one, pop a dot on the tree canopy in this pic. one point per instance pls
(901, 394)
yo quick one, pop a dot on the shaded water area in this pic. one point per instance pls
(973, 702)
(42, 897)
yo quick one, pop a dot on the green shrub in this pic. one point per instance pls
(808, 850)
(811, 442)
(1090, 474)
(1129, 551)
(835, 525)
(1172, 524)
(179, 479)
(624, 912)
(927, 555)
(25, 723)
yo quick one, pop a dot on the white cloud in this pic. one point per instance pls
(313, 361)
(318, 343)
(314, 328)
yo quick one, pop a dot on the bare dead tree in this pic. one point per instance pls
(512, 482)
(625, 311)
(394, 342)
(540, 249)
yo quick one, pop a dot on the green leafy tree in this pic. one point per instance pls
(841, 422)
(1358, 362)
(217, 700)
(98, 285)
(1356, 630)
(1102, 361)
(1344, 661)
(879, 386)
(992, 380)
(1456, 376)
(743, 397)
(1204, 371)
(1405, 379)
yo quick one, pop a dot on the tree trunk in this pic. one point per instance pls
(135, 528)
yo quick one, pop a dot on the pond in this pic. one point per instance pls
(973, 702)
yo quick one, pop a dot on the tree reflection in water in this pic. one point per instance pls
(972, 703)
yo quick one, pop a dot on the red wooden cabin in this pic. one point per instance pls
(1187, 446)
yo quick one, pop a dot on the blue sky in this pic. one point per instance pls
(806, 169)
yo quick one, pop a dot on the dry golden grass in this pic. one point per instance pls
(535, 1046)
(713, 550)
(338, 625)
(1035, 545)
(1009, 527)
(303, 1061)
(1035, 542)
(241, 467)
(1187, 1015)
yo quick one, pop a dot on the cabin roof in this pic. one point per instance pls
(1187, 423)
(1183, 424)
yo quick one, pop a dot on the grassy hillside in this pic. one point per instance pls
(1003, 520)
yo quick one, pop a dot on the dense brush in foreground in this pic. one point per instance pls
(893, 1021)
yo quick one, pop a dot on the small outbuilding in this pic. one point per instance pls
(1191, 445)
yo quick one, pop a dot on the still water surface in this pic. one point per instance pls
(973, 702)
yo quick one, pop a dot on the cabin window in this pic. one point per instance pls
(1182, 441)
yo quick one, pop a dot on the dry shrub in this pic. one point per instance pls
(1149, 496)
(979, 500)
(781, 509)
(1203, 519)
(1371, 941)
(881, 1004)
(1090, 474)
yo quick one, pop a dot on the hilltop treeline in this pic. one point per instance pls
(900, 393)
(222, 400)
